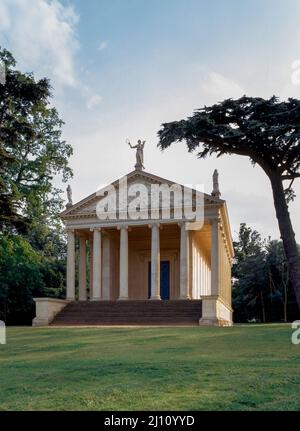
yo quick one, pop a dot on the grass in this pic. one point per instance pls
(250, 367)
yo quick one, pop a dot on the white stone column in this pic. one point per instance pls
(71, 265)
(215, 258)
(91, 266)
(155, 262)
(123, 293)
(82, 268)
(190, 265)
(96, 294)
(184, 262)
(106, 266)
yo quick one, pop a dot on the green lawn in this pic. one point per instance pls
(240, 368)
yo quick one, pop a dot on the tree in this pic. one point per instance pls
(249, 276)
(252, 287)
(249, 243)
(26, 273)
(267, 132)
(261, 284)
(20, 276)
(278, 274)
(32, 152)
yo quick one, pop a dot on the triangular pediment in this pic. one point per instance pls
(87, 206)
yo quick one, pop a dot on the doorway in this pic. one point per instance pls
(164, 279)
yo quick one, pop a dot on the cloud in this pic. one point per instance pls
(4, 17)
(102, 45)
(41, 35)
(243, 202)
(220, 87)
(93, 101)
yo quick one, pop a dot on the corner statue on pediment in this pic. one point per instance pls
(69, 194)
(216, 189)
(139, 154)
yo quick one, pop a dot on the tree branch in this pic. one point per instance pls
(290, 177)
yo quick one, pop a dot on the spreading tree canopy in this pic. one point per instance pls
(266, 131)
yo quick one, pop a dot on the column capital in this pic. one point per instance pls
(126, 227)
(70, 230)
(121, 227)
(216, 219)
(93, 229)
(158, 225)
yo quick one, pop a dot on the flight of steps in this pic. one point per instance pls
(109, 313)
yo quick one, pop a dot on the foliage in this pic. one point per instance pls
(261, 287)
(32, 152)
(267, 131)
(25, 273)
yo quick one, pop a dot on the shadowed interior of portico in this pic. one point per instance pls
(139, 262)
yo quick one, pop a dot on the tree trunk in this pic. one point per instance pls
(271, 296)
(263, 307)
(285, 282)
(287, 234)
(285, 304)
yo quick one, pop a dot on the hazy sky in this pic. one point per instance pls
(120, 68)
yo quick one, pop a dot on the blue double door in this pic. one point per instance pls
(164, 279)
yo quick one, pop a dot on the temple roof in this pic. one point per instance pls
(87, 205)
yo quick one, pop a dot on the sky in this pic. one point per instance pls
(121, 68)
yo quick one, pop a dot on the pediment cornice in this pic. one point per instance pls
(85, 207)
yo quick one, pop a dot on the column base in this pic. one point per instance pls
(215, 312)
(214, 322)
(155, 298)
(184, 297)
(46, 310)
(123, 298)
(38, 322)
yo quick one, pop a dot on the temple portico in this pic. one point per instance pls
(154, 257)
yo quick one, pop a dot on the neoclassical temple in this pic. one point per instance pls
(153, 268)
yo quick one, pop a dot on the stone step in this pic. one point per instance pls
(131, 312)
(125, 316)
(133, 323)
(125, 321)
(123, 309)
(129, 303)
(129, 316)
